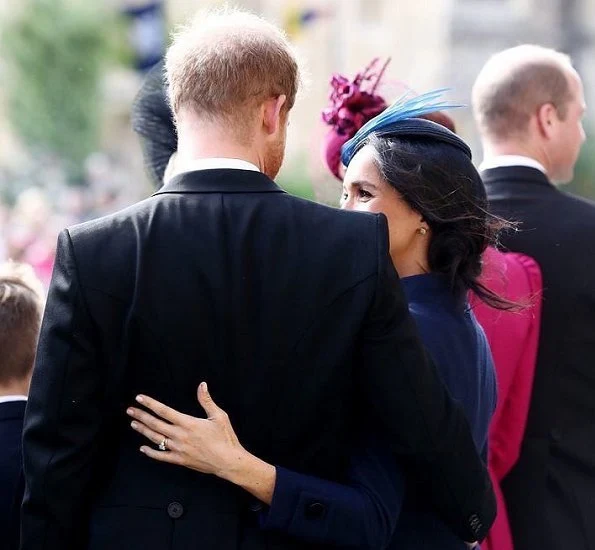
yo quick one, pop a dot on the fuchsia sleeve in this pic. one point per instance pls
(513, 339)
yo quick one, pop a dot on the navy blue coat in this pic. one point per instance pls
(377, 507)
(11, 430)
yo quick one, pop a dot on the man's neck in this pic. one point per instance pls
(204, 141)
(493, 152)
(188, 155)
(14, 387)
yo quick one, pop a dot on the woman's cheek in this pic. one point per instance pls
(372, 206)
(359, 206)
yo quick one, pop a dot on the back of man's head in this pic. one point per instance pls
(21, 308)
(529, 100)
(225, 63)
(514, 83)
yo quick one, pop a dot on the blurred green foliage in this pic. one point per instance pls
(294, 178)
(584, 172)
(54, 52)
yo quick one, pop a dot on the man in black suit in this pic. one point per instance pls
(21, 305)
(528, 102)
(291, 311)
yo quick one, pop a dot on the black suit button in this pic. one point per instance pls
(255, 506)
(175, 510)
(315, 510)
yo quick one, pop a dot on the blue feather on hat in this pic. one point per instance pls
(406, 107)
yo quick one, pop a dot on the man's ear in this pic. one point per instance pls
(272, 117)
(547, 119)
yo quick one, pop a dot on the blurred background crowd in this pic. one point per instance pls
(69, 71)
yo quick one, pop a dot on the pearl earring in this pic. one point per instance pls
(422, 231)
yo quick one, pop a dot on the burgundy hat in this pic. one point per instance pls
(352, 104)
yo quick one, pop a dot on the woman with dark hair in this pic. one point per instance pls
(420, 175)
(426, 187)
(513, 335)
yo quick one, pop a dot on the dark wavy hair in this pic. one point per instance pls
(439, 181)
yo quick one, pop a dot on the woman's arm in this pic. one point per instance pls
(359, 514)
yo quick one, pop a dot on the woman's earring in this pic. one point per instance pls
(422, 231)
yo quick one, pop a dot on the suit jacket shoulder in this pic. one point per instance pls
(352, 242)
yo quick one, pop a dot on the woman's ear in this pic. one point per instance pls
(423, 226)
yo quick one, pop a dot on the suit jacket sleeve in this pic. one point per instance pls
(63, 416)
(424, 426)
(362, 513)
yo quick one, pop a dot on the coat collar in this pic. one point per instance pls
(514, 174)
(220, 180)
(13, 410)
(500, 161)
(432, 288)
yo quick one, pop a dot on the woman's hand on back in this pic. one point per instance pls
(207, 445)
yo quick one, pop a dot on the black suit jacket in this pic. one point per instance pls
(11, 432)
(294, 315)
(550, 494)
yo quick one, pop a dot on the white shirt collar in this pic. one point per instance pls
(214, 163)
(11, 398)
(500, 161)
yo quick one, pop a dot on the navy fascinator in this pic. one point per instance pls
(400, 120)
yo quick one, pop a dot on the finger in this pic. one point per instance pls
(151, 435)
(161, 410)
(206, 401)
(161, 456)
(167, 430)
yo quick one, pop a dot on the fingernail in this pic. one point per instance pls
(130, 412)
(139, 398)
(134, 425)
(142, 450)
(203, 386)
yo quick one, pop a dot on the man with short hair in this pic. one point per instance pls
(528, 103)
(21, 306)
(290, 310)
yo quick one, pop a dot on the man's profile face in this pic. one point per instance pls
(570, 134)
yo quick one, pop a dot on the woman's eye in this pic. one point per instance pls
(365, 194)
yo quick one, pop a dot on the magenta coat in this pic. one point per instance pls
(513, 339)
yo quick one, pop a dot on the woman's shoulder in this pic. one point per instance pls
(511, 274)
(444, 319)
(457, 344)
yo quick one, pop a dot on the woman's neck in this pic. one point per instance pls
(408, 267)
